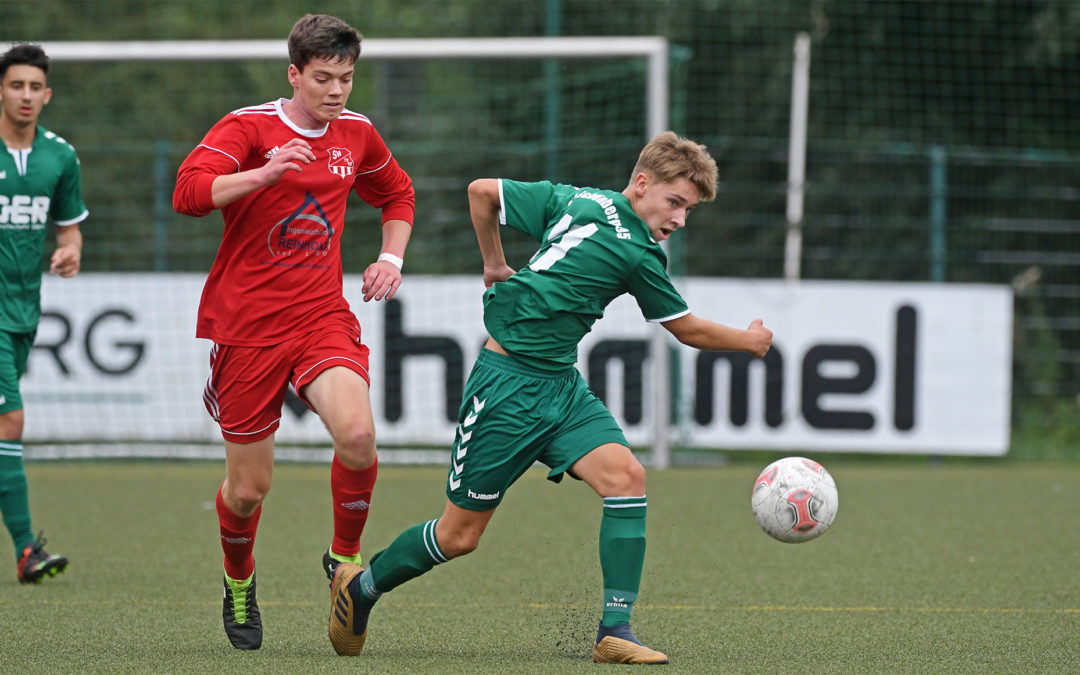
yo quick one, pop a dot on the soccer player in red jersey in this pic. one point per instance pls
(273, 303)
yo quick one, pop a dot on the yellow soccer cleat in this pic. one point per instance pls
(618, 645)
(348, 613)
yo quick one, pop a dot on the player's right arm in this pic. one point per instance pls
(292, 156)
(484, 205)
(211, 176)
(700, 333)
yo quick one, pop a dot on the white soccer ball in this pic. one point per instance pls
(794, 499)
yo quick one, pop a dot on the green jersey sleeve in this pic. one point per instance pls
(526, 207)
(654, 292)
(67, 206)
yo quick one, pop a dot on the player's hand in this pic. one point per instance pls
(289, 157)
(381, 281)
(496, 274)
(760, 338)
(66, 261)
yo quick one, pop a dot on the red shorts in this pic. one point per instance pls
(247, 385)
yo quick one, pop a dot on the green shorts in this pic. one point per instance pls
(513, 416)
(14, 353)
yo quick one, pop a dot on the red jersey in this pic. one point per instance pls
(277, 273)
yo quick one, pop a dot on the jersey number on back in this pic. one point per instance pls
(567, 239)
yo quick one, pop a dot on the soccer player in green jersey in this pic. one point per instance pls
(39, 181)
(525, 401)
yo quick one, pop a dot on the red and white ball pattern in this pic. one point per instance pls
(794, 499)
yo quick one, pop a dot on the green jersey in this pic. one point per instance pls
(36, 184)
(593, 248)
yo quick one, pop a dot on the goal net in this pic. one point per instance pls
(116, 365)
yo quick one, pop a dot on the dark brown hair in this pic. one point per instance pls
(321, 36)
(24, 55)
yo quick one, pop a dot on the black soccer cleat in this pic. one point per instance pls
(329, 565)
(36, 563)
(243, 624)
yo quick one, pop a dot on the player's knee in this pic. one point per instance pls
(355, 445)
(459, 544)
(11, 425)
(627, 479)
(245, 498)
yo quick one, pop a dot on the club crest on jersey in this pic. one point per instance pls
(341, 162)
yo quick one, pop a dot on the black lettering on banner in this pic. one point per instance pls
(53, 348)
(815, 385)
(296, 406)
(399, 346)
(632, 353)
(904, 386)
(739, 386)
(135, 349)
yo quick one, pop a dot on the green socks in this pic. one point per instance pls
(14, 498)
(622, 555)
(414, 552)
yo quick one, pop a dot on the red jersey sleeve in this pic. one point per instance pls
(221, 152)
(382, 183)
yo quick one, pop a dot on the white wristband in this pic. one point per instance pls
(392, 259)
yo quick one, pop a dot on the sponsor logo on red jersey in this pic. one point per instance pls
(304, 233)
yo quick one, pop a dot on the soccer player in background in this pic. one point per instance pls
(273, 303)
(39, 180)
(525, 400)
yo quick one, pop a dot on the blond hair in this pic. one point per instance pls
(668, 157)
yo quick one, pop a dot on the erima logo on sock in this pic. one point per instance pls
(236, 540)
(359, 505)
(617, 602)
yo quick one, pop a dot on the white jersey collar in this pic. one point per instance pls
(279, 105)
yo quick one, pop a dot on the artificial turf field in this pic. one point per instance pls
(929, 568)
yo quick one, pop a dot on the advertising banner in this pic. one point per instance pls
(855, 366)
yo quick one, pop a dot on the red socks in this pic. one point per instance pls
(351, 490)
(237, 539)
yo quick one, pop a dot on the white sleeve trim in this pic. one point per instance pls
(669, 318)
(204, 145)
(364, 173)
(72, 221)
(502, 203)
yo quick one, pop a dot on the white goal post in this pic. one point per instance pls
(653, 49)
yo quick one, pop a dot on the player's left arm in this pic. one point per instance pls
(700, 333)
(382, 278)
(67, 258)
